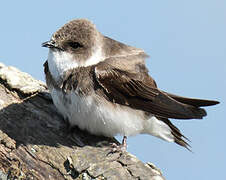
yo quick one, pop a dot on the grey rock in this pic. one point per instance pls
(35, 142)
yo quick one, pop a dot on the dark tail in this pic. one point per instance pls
(179, 138)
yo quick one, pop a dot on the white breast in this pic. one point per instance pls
(100, 119)
(107, 119)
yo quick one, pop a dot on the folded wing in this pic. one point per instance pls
(139, 92)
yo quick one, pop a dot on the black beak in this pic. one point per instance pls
(49, 44)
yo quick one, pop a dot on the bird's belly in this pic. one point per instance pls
(98, 116)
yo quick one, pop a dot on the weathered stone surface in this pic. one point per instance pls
(21, 81)
(35, 142)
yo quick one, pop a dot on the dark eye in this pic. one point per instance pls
(74, 45)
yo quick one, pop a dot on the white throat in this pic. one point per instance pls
(61, 61)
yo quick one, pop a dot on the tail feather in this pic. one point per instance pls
(164, 129)
(179, 138)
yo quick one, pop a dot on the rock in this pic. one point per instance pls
(21, 81)
(35, 142)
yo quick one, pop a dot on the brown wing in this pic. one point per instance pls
(48, 76)
(192, 101)
(138, 91)
(49, 79)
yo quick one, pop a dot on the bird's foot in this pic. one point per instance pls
(119, 148)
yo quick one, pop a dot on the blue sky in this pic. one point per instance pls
(186, 41)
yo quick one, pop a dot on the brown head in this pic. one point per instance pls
(78, 43)
(78, 37)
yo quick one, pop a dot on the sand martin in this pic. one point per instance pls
(103, 86)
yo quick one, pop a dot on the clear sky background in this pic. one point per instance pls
(186, 41)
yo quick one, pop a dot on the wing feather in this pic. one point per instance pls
(129, 89)
(193, 101)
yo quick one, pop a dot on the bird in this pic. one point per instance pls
(103, 86)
